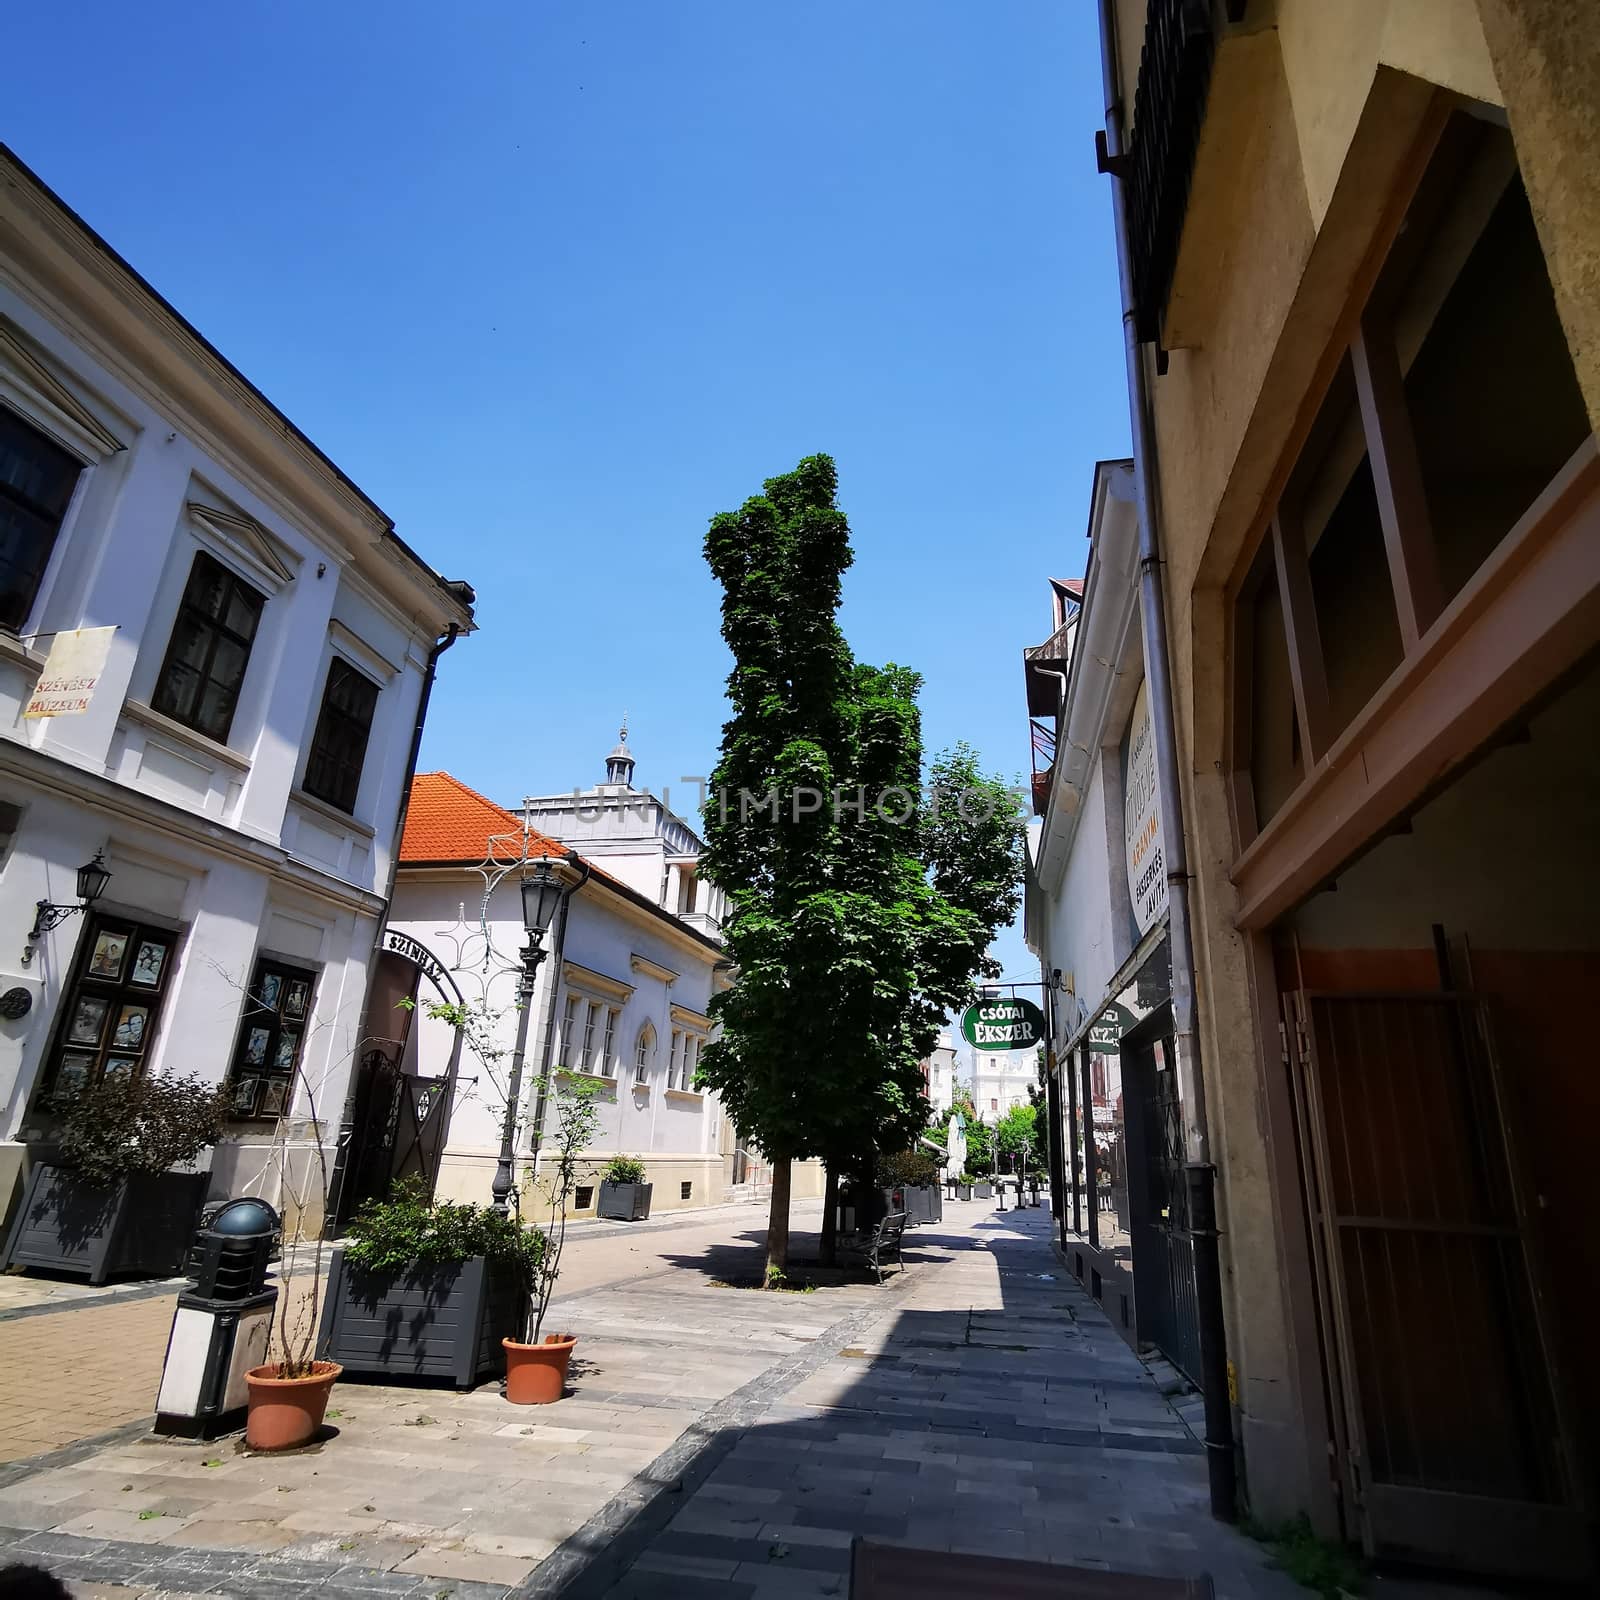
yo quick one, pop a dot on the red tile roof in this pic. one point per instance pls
(447, 821)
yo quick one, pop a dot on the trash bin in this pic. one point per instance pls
(222, 1325)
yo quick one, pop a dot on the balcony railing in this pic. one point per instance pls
(1043, 665)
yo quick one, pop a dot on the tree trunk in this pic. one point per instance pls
(828, 1249)
(778, 1218)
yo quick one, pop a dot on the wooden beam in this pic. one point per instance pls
(1529, 614)
(1397, 478)
(1307, 671)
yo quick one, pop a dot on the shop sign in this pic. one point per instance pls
(1105, 1037)
(71, 673)
(1003, 1024)
(1141, 821)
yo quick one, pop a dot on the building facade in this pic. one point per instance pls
(1000, 1080)
(240, 718)
(621, 1002)
(939, 1076)
(1360, 266)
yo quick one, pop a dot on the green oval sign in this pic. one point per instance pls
(1008, 1024)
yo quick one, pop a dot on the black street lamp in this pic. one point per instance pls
(547, 881)
(93, 876)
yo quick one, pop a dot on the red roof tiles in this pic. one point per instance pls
(447, 821)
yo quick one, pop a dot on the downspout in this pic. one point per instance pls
(1200, 1174)
(346, 1118)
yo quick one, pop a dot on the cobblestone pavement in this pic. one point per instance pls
(721, 1443)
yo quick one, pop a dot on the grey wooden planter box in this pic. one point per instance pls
(625, 1202)
(144, 1224)
(920, 1202)
(439, 1322)
(983, 1191)
(963, 1191)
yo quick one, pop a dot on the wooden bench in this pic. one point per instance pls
(875, 1247)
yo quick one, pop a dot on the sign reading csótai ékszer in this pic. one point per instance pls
(1003, 1024)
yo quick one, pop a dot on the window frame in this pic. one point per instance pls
(218, 632)
(41, 511)
(644, 1050)
(273, 1019)
(113, 995)
(333, 721)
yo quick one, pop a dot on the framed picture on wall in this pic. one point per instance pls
(119, 1068)
(109, 952)
(275, 1098)
(294, 1001)
(255, 1047)
(71, 1076)
(148, 964)
(269, 990)
(288, 1047)
(245, 1091)
(88, 1020)
(131, 1024)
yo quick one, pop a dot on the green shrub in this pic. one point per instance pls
(410, 1230)
(623, 1169)
(1319, 1564)
(120, 1126)
(908, 1167)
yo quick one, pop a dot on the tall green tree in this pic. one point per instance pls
(857, 915)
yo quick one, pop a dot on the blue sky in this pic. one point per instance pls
(555, 282)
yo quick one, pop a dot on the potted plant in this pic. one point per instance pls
(964, 1186)
(911, 1181)
(109, 1201)
(288, 1393)
(624, 1195)
(536, 1364)
(983, 1188)
(426, 1289)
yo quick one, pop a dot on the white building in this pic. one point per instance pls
(634, 836)
(939, 1076)
(243, 729)
(1000, 1080)
(621, 998)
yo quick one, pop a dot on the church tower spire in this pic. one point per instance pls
(619, 764)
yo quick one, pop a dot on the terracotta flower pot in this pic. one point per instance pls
(536, 1374)
(285, 1412)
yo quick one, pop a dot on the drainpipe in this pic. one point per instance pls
(1200, 1174)
(347, 1115)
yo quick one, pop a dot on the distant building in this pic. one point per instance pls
(1000, 1080)
(939, 1076)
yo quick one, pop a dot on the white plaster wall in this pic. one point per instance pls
(670, 1130)
(204, 837)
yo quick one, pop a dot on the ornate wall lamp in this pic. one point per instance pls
(93, 876)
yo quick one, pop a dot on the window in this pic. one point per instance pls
(674, 1058)
(10, 821)
(339, 745)
(1452, 408)
(608, 1062)
(570, 1058)
(686, 885)
(271, 1037)
(586, 1054)
(37, 478)
(642, 1052)
(107, 1024)
(210, 649)
(994, 1105)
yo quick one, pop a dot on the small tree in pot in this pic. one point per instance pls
(536, 1370)
(624, 1195)
(428, 1289)
(111, 1201)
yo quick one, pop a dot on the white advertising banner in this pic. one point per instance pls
(1141, 821)
(71, 673)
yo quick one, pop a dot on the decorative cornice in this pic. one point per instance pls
(652, 969)
(47, 387)
(596, 983)
(693, 1019)
(249, 540)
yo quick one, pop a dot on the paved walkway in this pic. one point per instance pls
(722, 1442)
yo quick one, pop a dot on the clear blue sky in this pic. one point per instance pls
(554, 282)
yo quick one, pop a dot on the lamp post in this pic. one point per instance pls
(545, 884)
